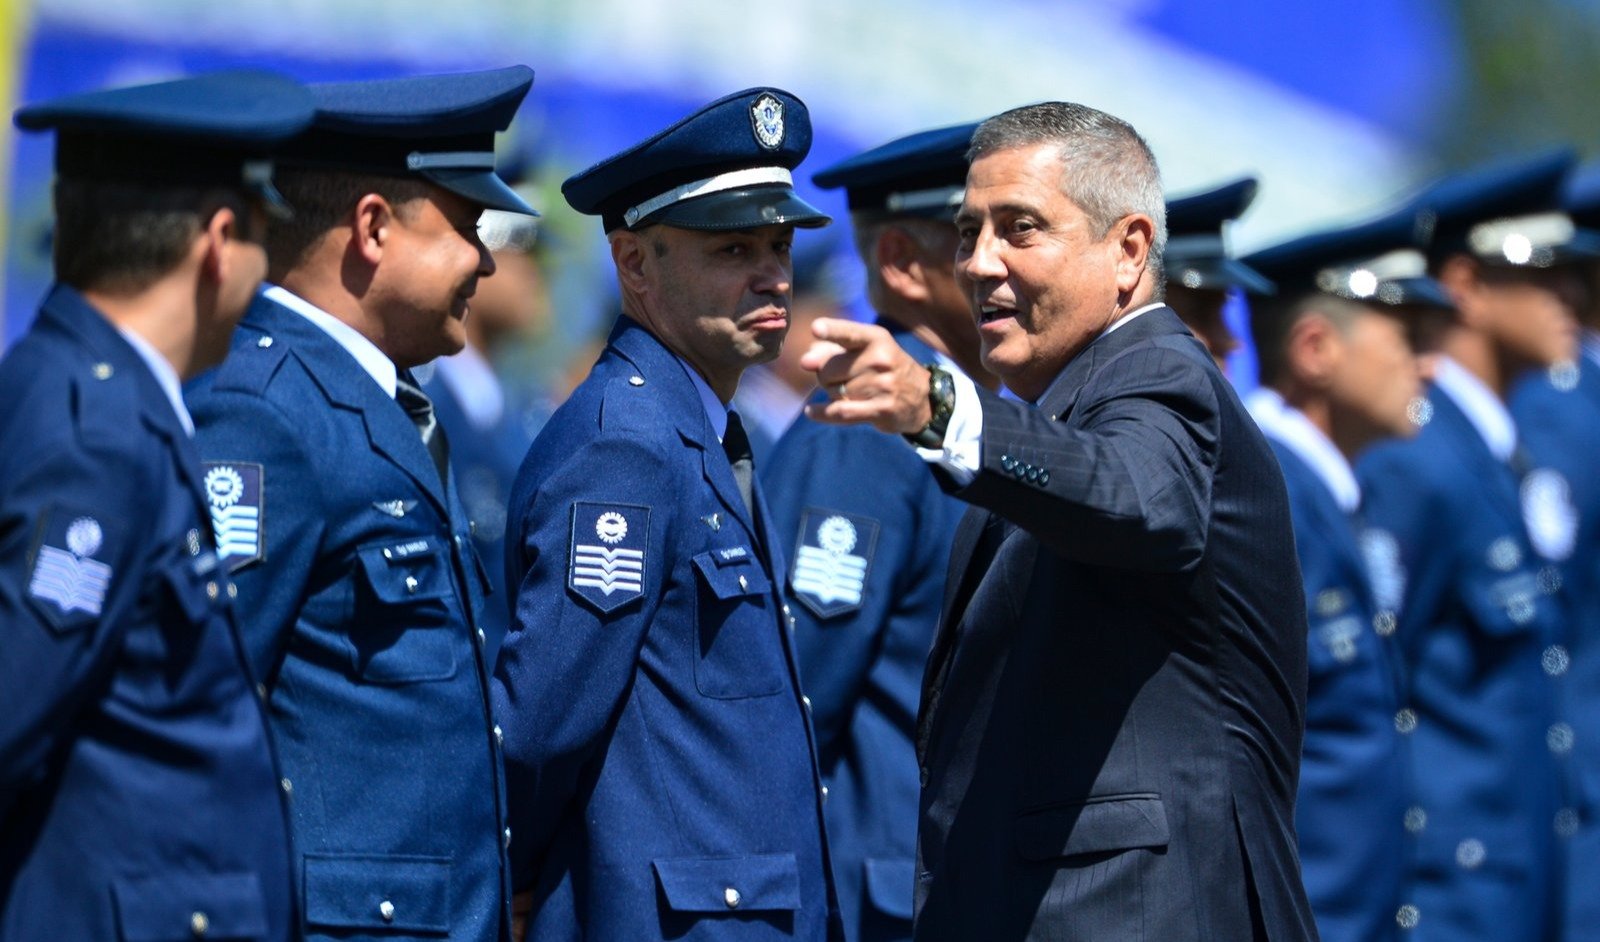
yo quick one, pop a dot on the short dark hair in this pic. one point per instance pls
(322, 200)
(122, 237)
(1109, 170)
(1271, 320)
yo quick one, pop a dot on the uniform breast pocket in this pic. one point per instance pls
(740, 649)
(403, 627)
(1504, 605)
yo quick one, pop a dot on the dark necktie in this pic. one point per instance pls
(420, 408)
(736, 444)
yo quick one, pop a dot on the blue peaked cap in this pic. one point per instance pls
(921, 174)
(1508, 214)
(1197, 249)
(218, 129)
(1378, 262)
(440, 128)
(726, 166)
(1581, 197)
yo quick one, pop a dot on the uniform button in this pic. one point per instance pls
(411, 583)
(261, 691)
(791, 624)
(233, 591)
(264, 342)
(744, 583)
(1405, 721)
(192, 541)
(1470, 853)
(103, 371)
(387, 553)
(482, 638)
(499, 737)
(807, 701)
(1555, 660)
(636, 381)
(1416, 819)
(1550, 580)
(199, 923)
(288, 786)
(212, 590)
(731, 897)
(386, 910)
(1408, 916)
(1559, 738)
(458, 540)
(505, 838)
(1384, 624)
(824, 793)
(786, 608)
(472, 528)
(1567, 821)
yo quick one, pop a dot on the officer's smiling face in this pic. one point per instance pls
(718, 299)
(432, 261)
(1042, 281)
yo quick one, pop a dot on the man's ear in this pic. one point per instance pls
(1133, 234)
(900, 264)
(1311, 350)
(371, 226)
(212, 243)
(1461, 279)
(630, 254)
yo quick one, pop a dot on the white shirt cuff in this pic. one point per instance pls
(961, 453)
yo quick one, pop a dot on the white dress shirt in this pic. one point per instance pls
(374, 361)
(1289, 425)
(165, 375)
(1483, 408)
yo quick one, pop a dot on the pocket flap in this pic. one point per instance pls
(409, 894)
(406, 569)
(1505, 604)
(729, 884)
(731, 578)
(185, 906)
(891, 885)
(1095, 825)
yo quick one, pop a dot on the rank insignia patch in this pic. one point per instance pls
(608, 553)
(234, 490)
(68, 583)
(832, 561)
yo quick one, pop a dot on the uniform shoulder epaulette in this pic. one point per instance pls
(250, 366)
(629, 404)
(106, 402)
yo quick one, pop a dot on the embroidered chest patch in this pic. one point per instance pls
(607, 553)
(832, 560)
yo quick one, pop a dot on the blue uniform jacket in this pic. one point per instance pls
(1353, 764)
(1475, 619)
(870, 533)
(1560, 424)
(659, 757)
(357, 599)
(484, 464)
(138, 796)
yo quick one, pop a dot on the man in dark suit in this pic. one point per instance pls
(1339, 374)
(139, 798)
(358, 583)
(1112, 711)
(658, 750)
(870, 532)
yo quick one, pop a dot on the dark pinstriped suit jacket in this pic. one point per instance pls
(1112, 711)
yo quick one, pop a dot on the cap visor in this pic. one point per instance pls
(1423, 292)
(1218, 274)
(483, 187)
(749, 208)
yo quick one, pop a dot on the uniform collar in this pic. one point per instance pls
(716, 409)
(1480, 405)
(165, 376)
(767, 402)
(374, 361)
(1294, 431)
(471, 378)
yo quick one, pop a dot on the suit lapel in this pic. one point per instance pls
(342, 379)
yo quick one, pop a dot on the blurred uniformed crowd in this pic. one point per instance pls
(304, 633)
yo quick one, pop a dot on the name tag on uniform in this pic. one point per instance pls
(235, 490)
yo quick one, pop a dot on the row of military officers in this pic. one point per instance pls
(1029, 628)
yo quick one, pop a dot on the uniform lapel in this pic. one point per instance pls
(341, 378)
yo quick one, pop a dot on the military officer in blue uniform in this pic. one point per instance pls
(327, 477)
(659, 755)
(1557, 411)
(1200, 269)
(139, 797)
(489, 431)
(870, 532)
(1339, 373)
(1477, 619)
